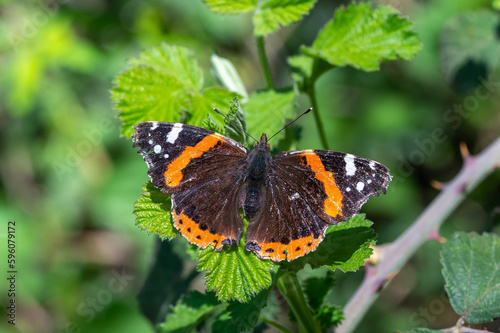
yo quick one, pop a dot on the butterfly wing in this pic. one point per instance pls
(310, 189)
(179, 155)
(202, 169)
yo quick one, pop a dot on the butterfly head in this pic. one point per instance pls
(263, 143)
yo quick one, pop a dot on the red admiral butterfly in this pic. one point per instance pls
(290, 197)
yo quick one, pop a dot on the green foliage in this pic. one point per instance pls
(316, 289)
(267, 111)
(363, 37)
(480, 44)
(162, 82)
(471, 269)
(235, 123)
(152, 211)
(329, 315)
(269, 15)
(189, 312)
(234, 273)
(345, 247)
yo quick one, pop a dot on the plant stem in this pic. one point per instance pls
(263, 62)
(312, 94)
(474, 170)
(289, 286)
(275, 324)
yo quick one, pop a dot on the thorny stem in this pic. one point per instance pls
(474, 170)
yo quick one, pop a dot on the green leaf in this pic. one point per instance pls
(175, 61)
(189, 312)
(316, 288)
(363, 37)
(472, 36)
(152, 211)
(329, 315)
(209, 124)
(301, 66)
(271, 14)
(234, 273)
(231, 7)
(345, 247)
(165, 84)
(203, 104)
(267, 111)
(224, 71)
(246, 315)
(235, 129)
(143, 94)
(471, 270)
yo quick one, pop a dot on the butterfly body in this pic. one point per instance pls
(290, 198)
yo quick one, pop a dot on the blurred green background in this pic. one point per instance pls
(70, 182)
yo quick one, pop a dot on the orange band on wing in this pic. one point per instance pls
(296, 248)
(333, 204)
(173, 174)
(194, 234)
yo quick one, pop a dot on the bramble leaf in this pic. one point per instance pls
(345, 247)
(329, 315)
(165, 84)
(470, 37)
(271, 14)
(230, 6)
(189, 312)
(363, 37)
(471, 270)
(316, 288)
(234, 273)
(267, 111)
(152, 211)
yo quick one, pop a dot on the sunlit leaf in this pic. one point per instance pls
(267, 112)
(231, 7)
(363, 37)
(152, 211)
(234, 273)
(271, 14)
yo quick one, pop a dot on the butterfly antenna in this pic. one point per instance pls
(307, 111)
(234, 123)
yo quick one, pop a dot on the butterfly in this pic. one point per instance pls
(290, 198)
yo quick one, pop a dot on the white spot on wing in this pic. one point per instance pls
(295, 196)
(155, 125)
(360, 186)
(369, 181)
(174, 133)
(150, 142)
(348, 189)
(350, 168)
(372, 165)
(157, 149)
(166, 155)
